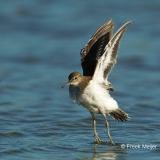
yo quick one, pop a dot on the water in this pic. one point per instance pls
(39, 46)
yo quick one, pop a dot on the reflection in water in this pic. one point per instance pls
(112, 152)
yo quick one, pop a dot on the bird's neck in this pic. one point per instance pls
(84, 81)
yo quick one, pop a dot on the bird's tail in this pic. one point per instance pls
(119, 115)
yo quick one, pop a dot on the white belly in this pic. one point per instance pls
(96, 99)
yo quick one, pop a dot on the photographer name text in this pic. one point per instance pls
(138, 146)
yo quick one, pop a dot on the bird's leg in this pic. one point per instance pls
(94, 125)
(109, 136)
(107, 126)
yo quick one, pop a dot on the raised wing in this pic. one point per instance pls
(94, 49)
(108, 59)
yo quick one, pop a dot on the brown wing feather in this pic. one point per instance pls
(95, 48)
(105, 28)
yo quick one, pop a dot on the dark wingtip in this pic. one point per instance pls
(119, 115)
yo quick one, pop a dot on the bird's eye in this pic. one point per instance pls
(75, 77)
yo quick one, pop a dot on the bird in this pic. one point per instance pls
(91, 90)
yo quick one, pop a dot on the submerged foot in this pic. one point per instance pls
(98, 140)
(111, 143)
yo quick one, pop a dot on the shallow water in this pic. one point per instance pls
(39, 46)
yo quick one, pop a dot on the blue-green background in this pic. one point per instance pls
(40, 42)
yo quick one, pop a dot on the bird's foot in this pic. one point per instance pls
(98, 140)
(111, 143)
(110, 139)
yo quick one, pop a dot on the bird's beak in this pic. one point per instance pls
(68, 83)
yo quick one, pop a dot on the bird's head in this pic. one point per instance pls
(74, 79)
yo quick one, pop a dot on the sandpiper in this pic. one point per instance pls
(91, 90)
